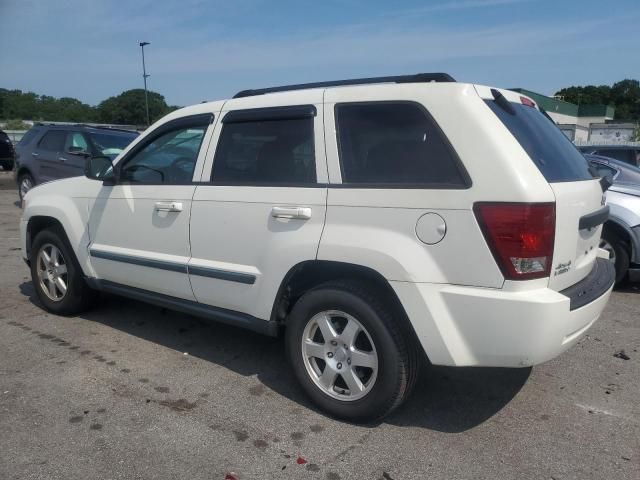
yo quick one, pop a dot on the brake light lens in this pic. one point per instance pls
(528, 102)
(520, 236)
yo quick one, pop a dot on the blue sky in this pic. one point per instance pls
(209, 49)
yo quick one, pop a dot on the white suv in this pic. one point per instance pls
(372, 220)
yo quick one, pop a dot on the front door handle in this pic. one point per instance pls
(62, 159)
(302, 213)
(169, 206)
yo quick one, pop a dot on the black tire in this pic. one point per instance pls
(22, 178)
(621, 252)
(79, 296)
(398, 359)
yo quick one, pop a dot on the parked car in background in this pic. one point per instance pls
(625, 153)
(374, 221)
(7, 152)
(621, 233)
(50, 152)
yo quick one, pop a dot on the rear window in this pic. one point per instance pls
(395, 144)
(552, 152)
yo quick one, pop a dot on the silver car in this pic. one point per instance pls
(621, 233)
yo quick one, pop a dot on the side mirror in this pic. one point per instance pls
(100, 168)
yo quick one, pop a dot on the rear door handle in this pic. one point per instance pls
(168, 206)
(62, 159)
(302, 213)
(35, 154)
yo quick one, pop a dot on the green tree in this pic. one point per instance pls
(128, 108)
(28, 105)
(623, 95)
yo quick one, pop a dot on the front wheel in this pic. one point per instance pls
(350, 352)
(57, 277)
(25, 183)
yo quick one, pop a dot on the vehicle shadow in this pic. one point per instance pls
(445, 399)
(628, 287)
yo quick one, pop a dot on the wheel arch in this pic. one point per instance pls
(22, 171)
(36, 224)
(309, 274)
(44, 211)
(624, 233)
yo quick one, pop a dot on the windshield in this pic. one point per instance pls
(111, 144)
(552, 152)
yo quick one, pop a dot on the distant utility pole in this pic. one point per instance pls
(144, 76)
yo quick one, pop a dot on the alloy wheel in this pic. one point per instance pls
(339, 355)
(52, 272)
(25, 185)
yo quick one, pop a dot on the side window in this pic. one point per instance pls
(395, 143)
(53, 141)
(169, 158)
(264, 152)
(76, 143)
(604, 170)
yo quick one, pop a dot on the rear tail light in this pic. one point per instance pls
(520, 236)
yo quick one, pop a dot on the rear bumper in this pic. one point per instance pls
(469, 326)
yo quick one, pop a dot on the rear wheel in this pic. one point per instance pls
(25, 183)
(57, 276)
(618, 253)
(350, 351)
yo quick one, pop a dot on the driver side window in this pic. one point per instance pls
(169, 158)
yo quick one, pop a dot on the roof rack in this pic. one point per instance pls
(87, 125)
(416, 78)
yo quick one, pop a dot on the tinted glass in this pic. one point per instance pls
(76, 143)
(27, 137)
(603, 170)
(53, 141)
(111, 144)
(619, 154)
(266, 152)
(167, 159)
(552, 152)
(395, 143)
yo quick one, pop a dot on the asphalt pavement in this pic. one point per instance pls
(132, 391)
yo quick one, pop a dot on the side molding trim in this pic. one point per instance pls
(238, 277)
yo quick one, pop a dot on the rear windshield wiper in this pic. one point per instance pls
(503, 102)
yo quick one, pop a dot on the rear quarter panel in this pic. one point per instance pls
(377, 227)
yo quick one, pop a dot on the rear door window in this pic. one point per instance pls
(265, 152)
(395, 144)
(552, 152)
(53, 141)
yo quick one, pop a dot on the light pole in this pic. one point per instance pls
(144, 76)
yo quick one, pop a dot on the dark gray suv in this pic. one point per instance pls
(51, 152)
